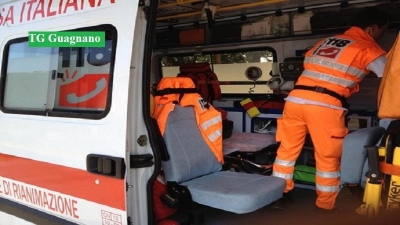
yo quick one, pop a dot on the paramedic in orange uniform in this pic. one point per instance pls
(333, 69)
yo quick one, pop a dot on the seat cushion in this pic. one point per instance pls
(247, 142)
(236, 192)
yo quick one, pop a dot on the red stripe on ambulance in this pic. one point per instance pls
(67, 181)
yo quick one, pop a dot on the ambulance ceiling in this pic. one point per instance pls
(174, 12)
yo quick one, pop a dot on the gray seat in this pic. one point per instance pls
(193, 165)
(354, 156)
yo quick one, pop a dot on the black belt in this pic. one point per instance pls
(323, 90)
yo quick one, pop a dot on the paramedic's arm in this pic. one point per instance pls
(378, 65)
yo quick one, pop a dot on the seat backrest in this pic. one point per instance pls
(191, 129)
(354, 154)
(190, 156)
(173, 91)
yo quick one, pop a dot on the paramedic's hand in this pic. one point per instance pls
(280, 92)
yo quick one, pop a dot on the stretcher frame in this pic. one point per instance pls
(382, 190)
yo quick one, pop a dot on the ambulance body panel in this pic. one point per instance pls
(44, 157)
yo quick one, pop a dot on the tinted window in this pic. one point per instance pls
(70, 82)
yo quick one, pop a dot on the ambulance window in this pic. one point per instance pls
(58, 81)
(230, 67)
(28, 75)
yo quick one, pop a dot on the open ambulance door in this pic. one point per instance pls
(72, 130)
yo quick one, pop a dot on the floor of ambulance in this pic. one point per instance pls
(301, 211)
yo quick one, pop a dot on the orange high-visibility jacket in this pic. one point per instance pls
(208, 118)
(388, 100)
(339, 64)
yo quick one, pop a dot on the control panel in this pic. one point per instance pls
(291, 68)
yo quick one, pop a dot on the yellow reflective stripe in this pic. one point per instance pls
(211, 122)
(327, 174)
(285, 163)
(350, 70)
(329, 78)
(326, 188)
(215, 135)
(282, 175)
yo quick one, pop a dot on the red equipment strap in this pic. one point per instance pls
(389, 169)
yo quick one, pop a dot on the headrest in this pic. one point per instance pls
(175, 82)
(173, 89)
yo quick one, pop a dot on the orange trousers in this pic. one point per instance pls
(327, 130)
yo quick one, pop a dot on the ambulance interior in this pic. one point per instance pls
(256, 50)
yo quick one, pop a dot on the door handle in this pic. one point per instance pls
(106, 165)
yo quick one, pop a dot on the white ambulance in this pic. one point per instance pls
(72, 122)
(75, 142)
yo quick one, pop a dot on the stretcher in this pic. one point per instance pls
(382, 190)
(250, 152)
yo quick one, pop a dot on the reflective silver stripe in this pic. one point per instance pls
(325, 188)
(329, 78)
(336, 66)
(282, 175)
(327, 174)
(284, 163)
(211, 122)
(216, 134)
